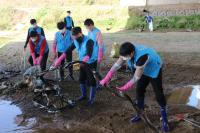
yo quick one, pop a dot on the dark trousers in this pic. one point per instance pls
(86, 75)
(69, 28)
(68, 59)
(157, 87)
(43, 62)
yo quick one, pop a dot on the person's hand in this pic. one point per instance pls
(107, 78)
(34, 62)
(25, 47)
(127, 86)
(39, 60)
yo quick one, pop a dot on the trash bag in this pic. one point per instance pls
(115, 50)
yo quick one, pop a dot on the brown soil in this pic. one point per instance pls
(111, 114)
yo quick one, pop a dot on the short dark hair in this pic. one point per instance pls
(126, 49)
(61, 25)
(76, 30)
(145, 11)
(68, 11)
(88, 22)
(33, 21)
(33, 33)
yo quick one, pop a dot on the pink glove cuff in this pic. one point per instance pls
(34, 58)
(86, 58)
(107, 78)
(39, 60)
(127, 86)
(59, 60)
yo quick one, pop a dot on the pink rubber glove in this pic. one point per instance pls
(34, 59)
(39, 60)
(59, 60)
(100, 55)
(108, 77)
(86, 58)
(127, 86)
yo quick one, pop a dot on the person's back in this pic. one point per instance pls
(69, 21)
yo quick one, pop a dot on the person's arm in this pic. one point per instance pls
(27, 39)
(54, 49)
(140, 65)
(42, 32)
(100, 44)
(65, 21)
(32, 51)
(90, 45)
(71, 48)
(42, 51)
(72, 23)
(113, 69)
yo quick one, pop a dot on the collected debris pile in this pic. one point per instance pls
(47, 93)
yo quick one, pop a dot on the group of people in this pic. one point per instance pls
(143, 61)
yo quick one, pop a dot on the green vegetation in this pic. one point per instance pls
(108, 15)
(6, 19)
(173, 22)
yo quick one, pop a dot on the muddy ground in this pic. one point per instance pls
(109, 114)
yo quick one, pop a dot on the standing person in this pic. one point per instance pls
(61, 44)
(69, 21)
(149, 20)
(39, 50)
(147, 67)
(88, 52)
(95, 34)
(34, 27)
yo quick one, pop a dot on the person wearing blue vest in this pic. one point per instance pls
(149, 20)
(34, 27)
(147, 67)
(39, 50)
(69, 21)
(95, 34)
(61, 44)
(88, 52)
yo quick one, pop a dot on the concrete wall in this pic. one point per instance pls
(155, 2)
(168, 10)
(167, 2)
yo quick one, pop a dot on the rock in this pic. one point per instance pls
(188, 30)
(3, 85)
(19, 119)
(2, 68)
(32, 71)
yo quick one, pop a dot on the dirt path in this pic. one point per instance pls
(180, 52)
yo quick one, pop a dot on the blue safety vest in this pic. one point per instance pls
(63, 42)
(154, 64)
(148, 19)
(93, 35)
(38, 29)
(82, 50)
(39, 44)
(68, 21)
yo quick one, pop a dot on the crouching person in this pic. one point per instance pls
(61, 44)
(39, 50)
(147, 65)
(88, 52)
